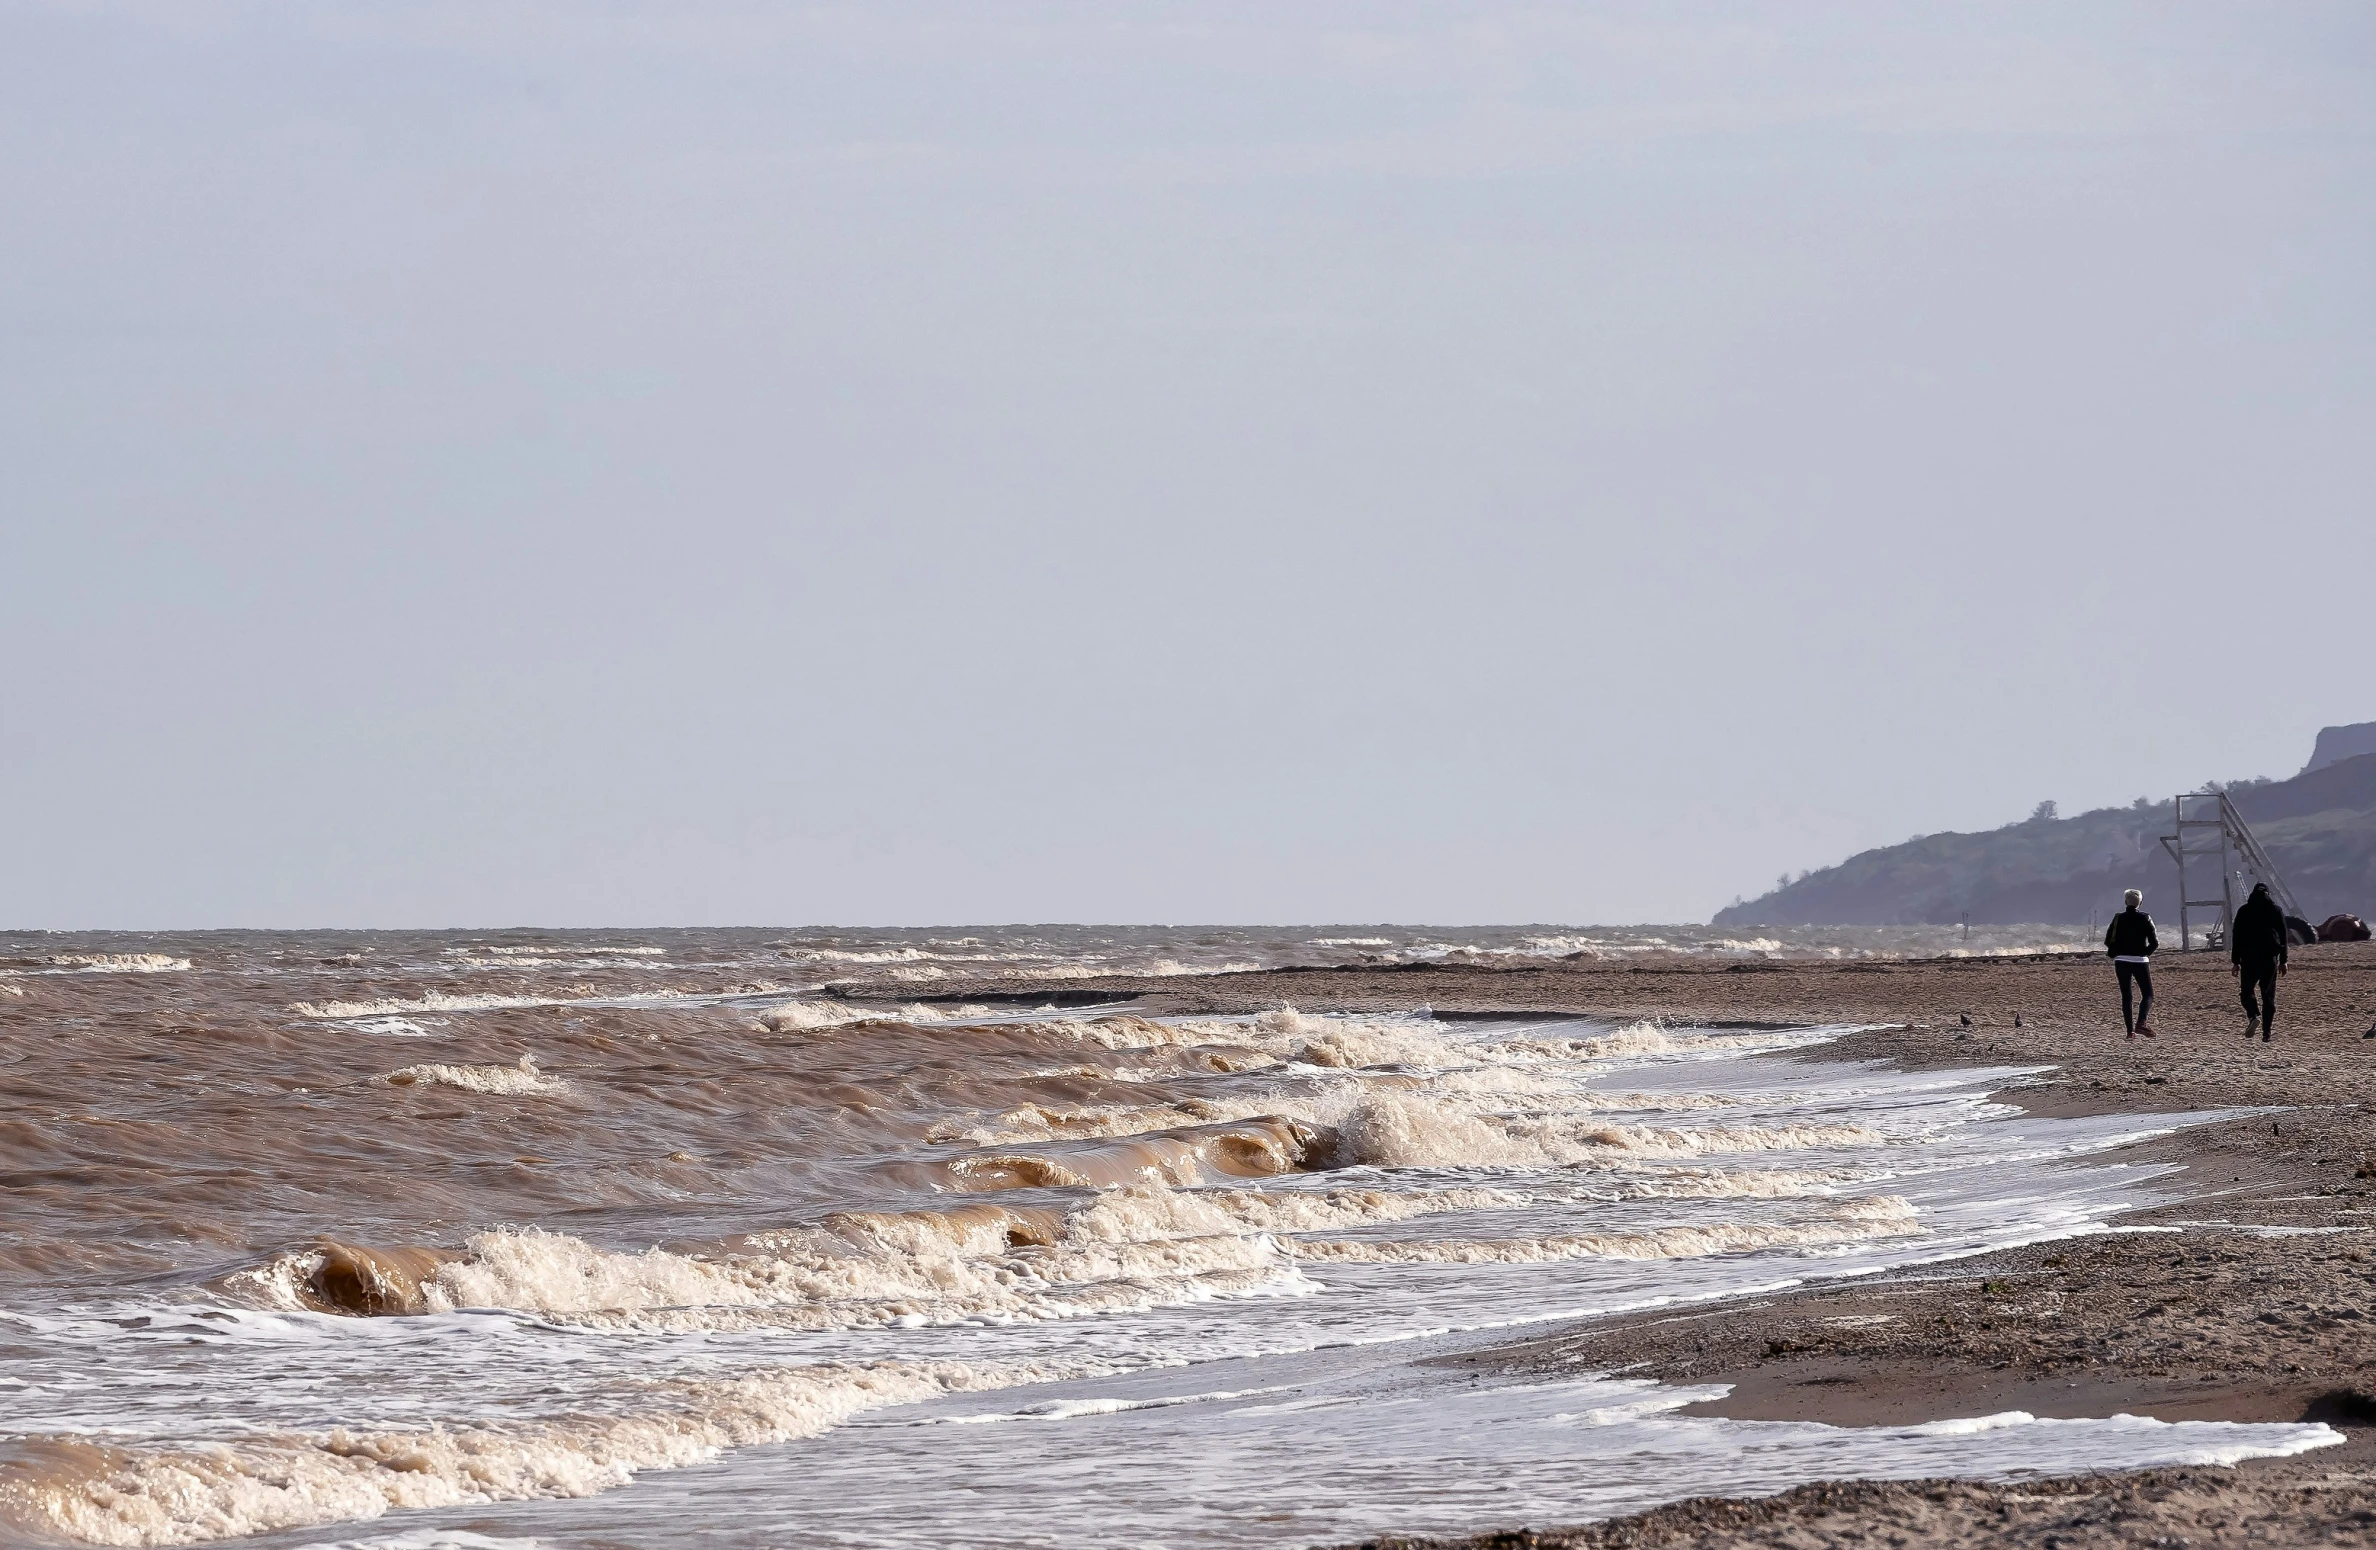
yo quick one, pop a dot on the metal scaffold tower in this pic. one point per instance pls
(2213, 836)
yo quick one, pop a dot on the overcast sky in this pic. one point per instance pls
(697, 463)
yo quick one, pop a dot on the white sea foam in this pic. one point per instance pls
(1535, 1175)
(1882, 1216)
(434, 1001)
(1754, 1184)
(1035, 1123)
(1286, 1034)
(1566, 944)
(1645, 1038)
(395, 1027)
(1128, 1249)
(430, 1539)
(1691, 1141)
(810, 1016)
(1133, 1248)
(1151, 1212)
(580, 950)
(1598, 947)
(120, 963)
(1379, 1113)
(1411, 1130)
(1081, 1409)
(941, 961)
(513, 1080)
(564, 995)
(1616, 1101)
(248, 1485)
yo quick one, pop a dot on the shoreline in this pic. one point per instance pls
(2247, 1296)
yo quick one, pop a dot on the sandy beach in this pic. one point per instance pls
(591, 1239)
(1164, 776)
(2247, 1300)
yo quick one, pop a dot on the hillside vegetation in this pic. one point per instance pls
(2319, 828)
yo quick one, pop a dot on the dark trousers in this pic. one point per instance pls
(2141, 976)
(2263, 977)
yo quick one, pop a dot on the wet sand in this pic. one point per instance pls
(2258, 1308)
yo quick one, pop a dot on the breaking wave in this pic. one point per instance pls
(585, 950)
(1128, 1249)
(140, 1496)
(1409, 1130)
(120, 963)
(911, 1197)
(435, 1001)
(514, 1079)
(564, 995)
(811, 1016)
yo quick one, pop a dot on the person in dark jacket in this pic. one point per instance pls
(2129, 942)
(2256, 950)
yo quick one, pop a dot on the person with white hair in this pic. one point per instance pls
(2129, 942)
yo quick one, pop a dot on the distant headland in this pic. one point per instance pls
(2319, 828)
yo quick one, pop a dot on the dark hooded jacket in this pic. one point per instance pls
(2258, 936)
(2130, 935)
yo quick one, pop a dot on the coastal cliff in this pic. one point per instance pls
(2319, 828)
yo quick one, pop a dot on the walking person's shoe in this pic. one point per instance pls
(2251, 1026)
(2148, 1032)
(2264, 1035)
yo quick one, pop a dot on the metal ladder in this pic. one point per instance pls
(2211, 831)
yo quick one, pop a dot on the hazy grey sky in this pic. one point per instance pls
(895, 463)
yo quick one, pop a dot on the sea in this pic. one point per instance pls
(755, 1238)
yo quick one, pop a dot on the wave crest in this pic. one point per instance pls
(510, 1081)
(147, 1496)
(120, 963)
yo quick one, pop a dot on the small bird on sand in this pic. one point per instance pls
(1967, 1019)
(2016, 1019)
